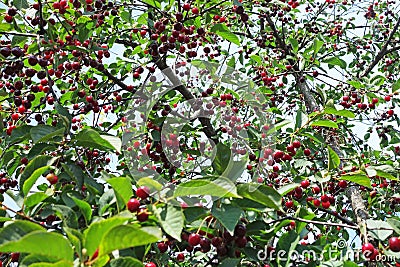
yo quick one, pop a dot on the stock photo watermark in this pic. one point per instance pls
(340, 251)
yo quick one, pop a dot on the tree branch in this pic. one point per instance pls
(382, 52)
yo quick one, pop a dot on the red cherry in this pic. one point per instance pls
(194, 239)
(162, 246)
(288, 67)
(186, 7)
(368, 247)
(316, 202)
(21, 109)
(326, 204)
(368, 250)
(133, 205)
(307, 152)
(143, 192)
(375, 100)
(14, 257)
(324, 198)
(52, 178)
(387, 98)
(89, 98)
(394, 244)
(150, 264)
(342, 184)
(180, 257)
(305, 184)
(24, 161)
(195, 10)
(296, 144)
(15, 116)
(316, 189)
(390, 112)
(289, 204)
(142, 215)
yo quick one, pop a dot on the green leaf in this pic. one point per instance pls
(32, 259)
(126, 262)
(36, 163)
(32, 179)
(395, 224)
(325, 123)
(126, 236)
(84, 208)
(97, 231)
(152, 3)
(335, 61)
(396, 86)
(256, 58)
(350, 264)
(261, 193)
(379, 229)
(222, 158)
(36, 198)
(283, 190)
(224, 32)
(152, 184)
(343, 113)
(356, 84)
(295, 44)
(220, 187)
(287, 242)
(55, 245)
(227, 215)
(333, 159)
(358, 178)
(229, 262)
(234, 170)
(67, 215)
(20, 4)
(317, 45)
(91, 139)
(76, 239)
(18, 229)
(61, 263)
(113, 140)
(122, 187)
(171, 220)
(83, 19)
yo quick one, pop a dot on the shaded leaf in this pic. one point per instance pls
(171, 220)
(91, 139)
(261, 193)
(84, 208)
(126, 236)
(33, 178)
(358, 178)
(227, 215)
(55, 245)
(333, 159)
(223, 31)
(97, 230)
(220, 187)
(126, 262)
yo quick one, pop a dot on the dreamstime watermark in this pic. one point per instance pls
(337, 252)
(169, 137)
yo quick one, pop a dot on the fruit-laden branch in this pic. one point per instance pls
(208, 129)
(115, 80)
(354, 195)
(311, 103)
(384, 51)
